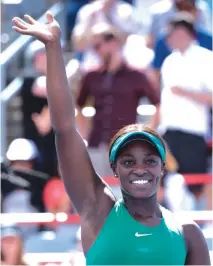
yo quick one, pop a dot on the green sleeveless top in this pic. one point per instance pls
(124, 241)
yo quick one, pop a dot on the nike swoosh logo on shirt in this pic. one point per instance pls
(140, 235)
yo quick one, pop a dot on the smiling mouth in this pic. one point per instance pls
(140, 182)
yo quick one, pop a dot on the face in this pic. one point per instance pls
(139, 169)
(179, 39)
(104, 49)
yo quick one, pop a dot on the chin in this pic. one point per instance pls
(139, 193)
(142, 195)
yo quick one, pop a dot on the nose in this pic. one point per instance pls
(139, 170)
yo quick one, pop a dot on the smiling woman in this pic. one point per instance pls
(133, 146)
(135, 230)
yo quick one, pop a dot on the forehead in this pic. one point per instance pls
(139, 147)
(97, 38)
(175, 31)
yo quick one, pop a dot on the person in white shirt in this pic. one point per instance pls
(186, 98)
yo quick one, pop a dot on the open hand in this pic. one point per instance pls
(45, 33)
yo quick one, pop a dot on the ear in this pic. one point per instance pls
(163, 169)
(113, 166)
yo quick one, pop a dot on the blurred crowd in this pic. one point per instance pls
(131, 61)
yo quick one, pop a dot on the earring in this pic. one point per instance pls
(115, 175)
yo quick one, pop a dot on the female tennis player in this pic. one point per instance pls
(132, 231)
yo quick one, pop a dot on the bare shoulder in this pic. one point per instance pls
(197, 249)
(189, 228)
(191, 231)
(188, 225)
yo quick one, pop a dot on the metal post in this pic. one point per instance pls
(3, 115)
(5, 58)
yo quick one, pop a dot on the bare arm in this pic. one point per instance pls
(82, 30)
(83, 185)
(200, 97)
(81, 36)
(197, 250)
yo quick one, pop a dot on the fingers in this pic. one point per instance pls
(49, 17)
(20, 23)
(26, 32)
(30, 19)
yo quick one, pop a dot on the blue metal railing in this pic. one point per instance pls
(17, 47)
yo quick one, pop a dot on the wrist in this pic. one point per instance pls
(53, 44)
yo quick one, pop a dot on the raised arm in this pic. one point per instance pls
(83, 185)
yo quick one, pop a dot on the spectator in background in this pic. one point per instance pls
(162, 49)
(21, 185)
(35, 109)
(164, 10)
(116, 13)
(186, 98)
(11, 246)
(72, 7)
(116, 90)
(55, 197)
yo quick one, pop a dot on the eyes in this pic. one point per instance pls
(151, 161)
(128, 162)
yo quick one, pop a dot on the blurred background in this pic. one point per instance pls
(116, 63)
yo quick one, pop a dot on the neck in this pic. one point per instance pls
(114, 63)
(142, 208)
(185, 47)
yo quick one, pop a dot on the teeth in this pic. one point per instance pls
(140, 182)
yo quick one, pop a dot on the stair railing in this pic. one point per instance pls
(15, 49)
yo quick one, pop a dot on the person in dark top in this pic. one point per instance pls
(35, 106)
